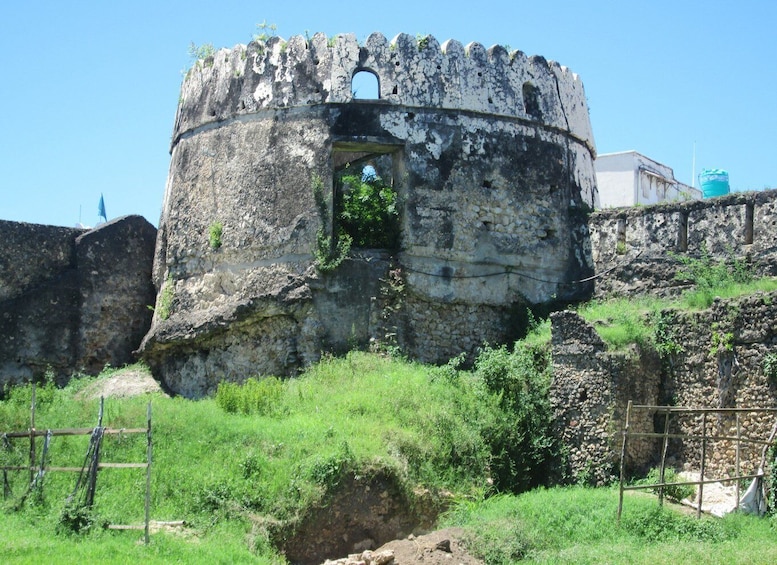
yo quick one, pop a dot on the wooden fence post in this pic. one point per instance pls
(148, 469)
(623, 457)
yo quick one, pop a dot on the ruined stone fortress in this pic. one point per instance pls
(490, 155)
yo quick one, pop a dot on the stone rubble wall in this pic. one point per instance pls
(590, 390)
(73, 300)
(633, 248)
(720, 365)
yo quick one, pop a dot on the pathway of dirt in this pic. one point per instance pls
(121, 384)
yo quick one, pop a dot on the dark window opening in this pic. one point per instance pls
(749, 211)
(365, 85)
(531, 100)
(682, 232)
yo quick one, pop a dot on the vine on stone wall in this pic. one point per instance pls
(330, 250)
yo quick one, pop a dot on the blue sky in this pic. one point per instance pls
(88, 89)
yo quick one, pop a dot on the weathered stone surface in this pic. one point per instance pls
(636, 250)
(491, 157)
(590, 390)
(73, 300)
(719, 363)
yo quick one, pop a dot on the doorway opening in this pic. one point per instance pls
(366, 201)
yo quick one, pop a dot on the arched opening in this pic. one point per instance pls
(365, 85)
(531, 100)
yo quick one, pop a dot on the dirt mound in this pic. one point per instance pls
(443, 546)
(123, 383)
(436, 548)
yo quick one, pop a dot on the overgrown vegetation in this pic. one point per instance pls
(675, 492)
(165, 300)
(578, 525)
(644, 320)
(330, 250)
(369, 213)
(201, 54)
(261, 453)
(711, 277)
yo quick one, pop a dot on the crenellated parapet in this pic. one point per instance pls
(412, 72)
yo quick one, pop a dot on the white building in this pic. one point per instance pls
(629, 178)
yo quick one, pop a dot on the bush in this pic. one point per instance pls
(524, 449)
(214, 234)
(254, 396)
(369, 212)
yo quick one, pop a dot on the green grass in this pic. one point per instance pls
(229, 475)
(621, 322)
(579, 525)
(236, 479)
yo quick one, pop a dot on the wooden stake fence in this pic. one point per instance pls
(32, 433)
(668, 410)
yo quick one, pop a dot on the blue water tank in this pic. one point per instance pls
(714, 182)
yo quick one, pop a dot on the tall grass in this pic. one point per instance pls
(243, 471)
(578, 525)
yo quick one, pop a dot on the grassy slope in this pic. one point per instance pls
(230, 475)
(578, 525)
(222, 472)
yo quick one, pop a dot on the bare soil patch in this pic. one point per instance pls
(441, 547)
(122, 384)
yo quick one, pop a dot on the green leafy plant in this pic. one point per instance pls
(369, 213)
(769, 365)
(330, 251)
(675, 492)
(214, 234)
(524, 446)
(721, 341)
(204, 53)
(265, 31)
(423, 41)
(664, 338)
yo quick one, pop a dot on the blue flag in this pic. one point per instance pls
(101, 209)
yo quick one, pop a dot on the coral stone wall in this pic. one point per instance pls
(491, 156)
(721, 363)
(73, 300)
(632, 247)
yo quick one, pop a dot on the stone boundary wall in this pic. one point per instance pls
(32, 253)
(632, 247)
(73, 300)
(721, 364)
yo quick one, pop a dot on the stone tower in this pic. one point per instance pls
(490, 157)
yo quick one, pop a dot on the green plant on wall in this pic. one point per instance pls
(330, 250)
(721, 341)
(214, 234)
(204, 53)
(165, 301)
(769, 365)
